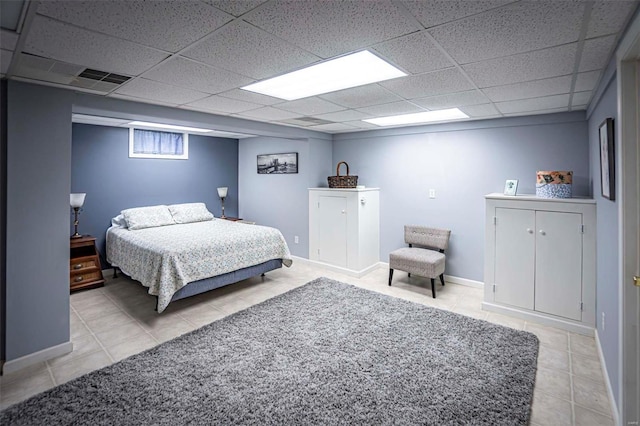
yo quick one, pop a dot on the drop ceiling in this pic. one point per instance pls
(490, 58)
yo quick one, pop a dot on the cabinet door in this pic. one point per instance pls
(332, 230)
(559, 264)
(514, 257)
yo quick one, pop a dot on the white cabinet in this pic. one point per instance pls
(540, 260)
(344, 228)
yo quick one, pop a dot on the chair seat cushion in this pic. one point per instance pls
(419, 261)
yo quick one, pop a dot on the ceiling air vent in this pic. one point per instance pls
(103, 76)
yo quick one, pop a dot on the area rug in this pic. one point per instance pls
(324, 353)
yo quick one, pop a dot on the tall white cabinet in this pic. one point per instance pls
(540, 260)
(344, 228)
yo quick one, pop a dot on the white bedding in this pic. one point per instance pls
(166, 258)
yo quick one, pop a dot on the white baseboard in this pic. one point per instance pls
(605, 374)
(450, 278)
(350, 272)
(14, 365)
(567, 325)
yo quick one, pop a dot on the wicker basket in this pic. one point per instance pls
(342, 181)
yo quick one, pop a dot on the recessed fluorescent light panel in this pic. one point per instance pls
(168, 127)
(419, 117)
(337, 74)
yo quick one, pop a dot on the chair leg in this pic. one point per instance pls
(390, 275)
(442, 279)
(433, 287)
(409, 274)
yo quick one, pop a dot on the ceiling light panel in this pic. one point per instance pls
(247, 50)
(515, 28)
(168, 25)
(420, 117)
(66, 43)
(333, 28)
(345, 72)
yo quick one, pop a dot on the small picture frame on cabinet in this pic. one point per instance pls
(510, 187)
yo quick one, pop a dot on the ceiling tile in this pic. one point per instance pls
(609, 17)
(8, 39)
(333, 127)
(484, 110)
(247, 50)
(333, 28)
(345, 115)
(534, 104)
(581, 98)
(362, 124)
(152, 90)
(530, 89)
(393, 108)
(537, 65)
(362, 96)
(471, 97)
(587, 80)
(70, 44)
(429, 84)
(169, 24)
(194, 75)
(436, 12)
(515, 28)
(270, 113)
(5, 60)
(310, 106)
(414, 53)
(143, 100)
(256, 98)
(220, 104)
(538, 112)
(235, 7)
(596, 53)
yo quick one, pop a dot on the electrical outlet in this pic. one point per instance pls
(602, 321)
(295, 239)
(432, 193)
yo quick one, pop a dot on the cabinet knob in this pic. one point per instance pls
(78, 266)
(529, 230)
(344, 211)
(542, 232)
(78, 279)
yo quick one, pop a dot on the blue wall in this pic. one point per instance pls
(607, 291)
(281, 200)
(101, 167)
(463, 162)
(37, 253)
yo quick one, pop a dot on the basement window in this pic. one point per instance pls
(156, 144)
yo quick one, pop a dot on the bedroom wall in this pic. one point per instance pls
(607, 290)
(281, 200)
(463, 162)
(37, 253)
(3, 209)
(101, 167)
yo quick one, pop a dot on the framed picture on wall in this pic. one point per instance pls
(510, 187)
(607, 160)
(278, 163)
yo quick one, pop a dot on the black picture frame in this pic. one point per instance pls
(607, 160)
(283, 163)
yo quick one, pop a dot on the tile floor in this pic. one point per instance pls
(118, 320)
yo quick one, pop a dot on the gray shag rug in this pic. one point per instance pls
(324, 353)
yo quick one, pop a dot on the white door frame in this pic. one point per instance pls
(627, 129)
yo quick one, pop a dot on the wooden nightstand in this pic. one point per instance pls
(84, 270)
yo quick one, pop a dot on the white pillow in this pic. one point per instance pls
(119, 221)
(147, 217)
(190, 212)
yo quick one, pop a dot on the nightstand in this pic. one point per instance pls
(84, 264)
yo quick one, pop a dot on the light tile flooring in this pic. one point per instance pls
(118, 320)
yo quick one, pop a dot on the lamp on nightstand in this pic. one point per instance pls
(76, 201)
(222, 193)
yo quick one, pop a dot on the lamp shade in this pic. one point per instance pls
(222, 192)
(77, 200)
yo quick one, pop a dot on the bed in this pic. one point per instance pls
(181, 250)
